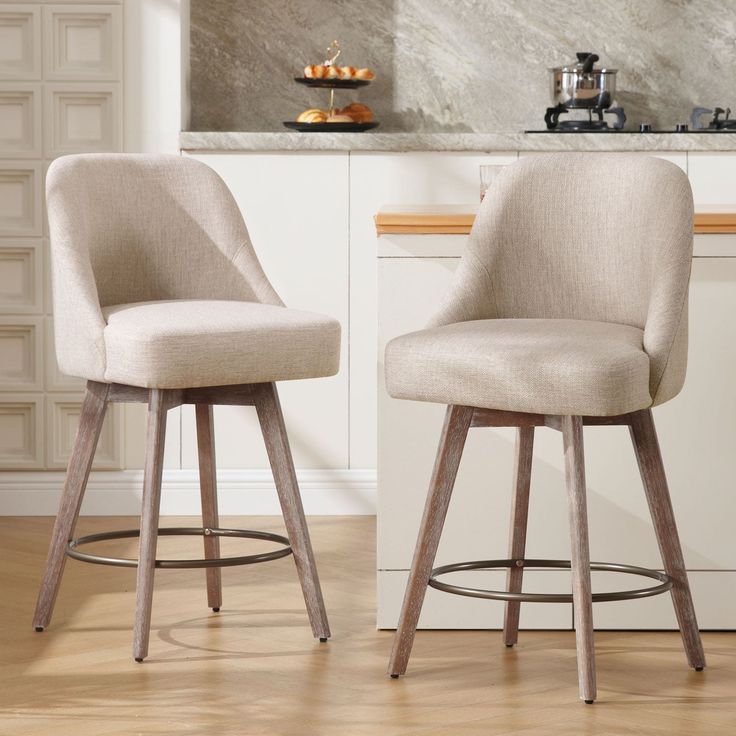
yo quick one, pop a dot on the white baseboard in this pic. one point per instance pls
(240, 492)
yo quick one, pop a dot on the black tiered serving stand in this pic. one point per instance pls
(332, 85)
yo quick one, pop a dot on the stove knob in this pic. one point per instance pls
(681, 128)
(645, 127)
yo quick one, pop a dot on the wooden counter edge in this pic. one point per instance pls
(413, 223)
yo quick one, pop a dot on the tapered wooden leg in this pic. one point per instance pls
(449, 452)
(572, 438)
(519, 515)
(208, 490)
(649, 457)
(271, 419)
(90, 424)
(155, 433)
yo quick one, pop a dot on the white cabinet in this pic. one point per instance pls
(296, 211)
(712, 177)
(697, 433)
(375, 180)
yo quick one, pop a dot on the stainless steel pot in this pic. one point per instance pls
(582, 85)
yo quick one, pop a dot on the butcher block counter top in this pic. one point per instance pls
(457, 219)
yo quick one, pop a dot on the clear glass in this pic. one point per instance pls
(488, 173)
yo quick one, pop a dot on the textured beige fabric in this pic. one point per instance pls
(189, 343)
(129, 228)
(599, 237)
(550, 366)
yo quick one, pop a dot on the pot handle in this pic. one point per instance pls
(589, 59)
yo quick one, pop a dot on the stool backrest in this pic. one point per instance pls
(138, 227)
(605, 237)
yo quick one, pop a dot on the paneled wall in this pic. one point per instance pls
(62, 67)
(60, 92)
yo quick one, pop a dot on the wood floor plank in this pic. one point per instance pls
(255, 669)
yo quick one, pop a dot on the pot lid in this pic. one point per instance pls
(584, 65)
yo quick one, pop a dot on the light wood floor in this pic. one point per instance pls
(255, 669)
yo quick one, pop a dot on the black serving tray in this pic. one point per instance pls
(330, 127)
(333, 83)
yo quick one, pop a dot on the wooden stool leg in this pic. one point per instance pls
(519, 515)
(208, 491)
(156, 431)
(572, 438)
(449, 452)
(282, 465)
(80, 463)
(649, 457)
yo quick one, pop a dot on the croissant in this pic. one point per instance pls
(333, 72)
(313, 115)
(366, 74)
(320, 71)
(347, 72)
(338, 118)
(359, 112)
(309, 71)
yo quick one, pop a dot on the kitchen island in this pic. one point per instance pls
(309, 201)
(418, 250)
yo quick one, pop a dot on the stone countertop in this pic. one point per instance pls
(479, 142)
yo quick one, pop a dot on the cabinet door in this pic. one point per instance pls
(697, 433)
(378, 179)
(477, 524)
(296, 210)
(712, 177)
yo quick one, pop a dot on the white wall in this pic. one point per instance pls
(153, 79)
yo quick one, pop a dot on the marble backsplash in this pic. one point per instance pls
(456, 66)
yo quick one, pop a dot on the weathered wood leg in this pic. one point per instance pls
(517, 541)
(90, 424)
(208, 490)
(649, 457)
(449, 452)
(572, 438)
(158, 405)
(271, 419)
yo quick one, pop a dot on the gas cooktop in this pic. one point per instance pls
(721, 122)
(632, 131)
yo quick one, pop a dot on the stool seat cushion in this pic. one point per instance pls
(191, 343)
(542, 366)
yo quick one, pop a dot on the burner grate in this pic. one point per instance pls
(716, 123)
(594, 122)
(583, 125)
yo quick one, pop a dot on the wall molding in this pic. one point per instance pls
(338, 492)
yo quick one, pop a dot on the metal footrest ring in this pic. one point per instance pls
(73, 547)
(623, 595)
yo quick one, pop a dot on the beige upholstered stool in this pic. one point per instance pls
(159, 298)
(569, 308)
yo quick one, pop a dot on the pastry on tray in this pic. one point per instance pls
(315, 71)
(355, 112)
(359, 112)
(313, 115)
(332, 71)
